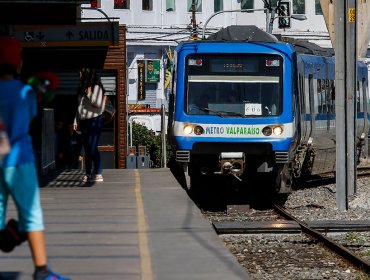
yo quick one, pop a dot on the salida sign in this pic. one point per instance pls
(90, 35)
(83, 34)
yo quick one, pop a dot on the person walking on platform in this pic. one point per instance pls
(18, 176)
(89, 121)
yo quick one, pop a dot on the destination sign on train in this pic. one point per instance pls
(82, 34)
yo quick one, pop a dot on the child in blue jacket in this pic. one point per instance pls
(18, 176)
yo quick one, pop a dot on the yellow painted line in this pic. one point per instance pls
(145, 260)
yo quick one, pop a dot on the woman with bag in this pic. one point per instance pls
(89, 121)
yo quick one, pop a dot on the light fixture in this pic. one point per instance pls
(188, 129)
(278, 130)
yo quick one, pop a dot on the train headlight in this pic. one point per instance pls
(267, 131)
(188, 129)
(198, 130)
(278, 130)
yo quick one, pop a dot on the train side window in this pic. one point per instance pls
(358, 97)
(301, 89)
(320, 97)
(312, 92)
(332, 96)
(364, 99)
(327, 97)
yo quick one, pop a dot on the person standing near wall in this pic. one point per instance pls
(89, 121)
(18, 176)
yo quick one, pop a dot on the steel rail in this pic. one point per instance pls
(336, 247)
(287, 227)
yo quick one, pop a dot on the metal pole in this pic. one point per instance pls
(366, 106)
(130, 124)
(163, 136)
(351, 90)
(345, 77)
(340, 108)
(271, 23)
(194, 33)
(267, 6)
(98, 10)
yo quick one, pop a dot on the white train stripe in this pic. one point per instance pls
(233, 130)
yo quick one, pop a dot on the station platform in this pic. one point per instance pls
(139, 224)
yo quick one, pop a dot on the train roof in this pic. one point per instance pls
(243, 33)
(306, 47)
(251, 33)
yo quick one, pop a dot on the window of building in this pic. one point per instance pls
(198, 5)
(170, 5)
(274, 3)
(122, 4)
(95, 3)
(246, 4)
(218, 5)
(299, 7)
(147, 5)
(318, 10)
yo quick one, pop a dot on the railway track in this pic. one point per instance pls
(272, 246)
(331, 244)
(279, 221)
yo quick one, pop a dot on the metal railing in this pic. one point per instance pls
(47, 157)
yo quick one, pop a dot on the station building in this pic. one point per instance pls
(54, 39)
(131, 44)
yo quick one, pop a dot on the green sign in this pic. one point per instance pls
(152, 71)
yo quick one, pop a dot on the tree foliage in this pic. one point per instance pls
(142, 136)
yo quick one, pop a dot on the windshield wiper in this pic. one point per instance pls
(221, 113)
(230, 113)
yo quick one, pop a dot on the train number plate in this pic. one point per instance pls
(253, 109)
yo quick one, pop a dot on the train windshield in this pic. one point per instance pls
(241, 85)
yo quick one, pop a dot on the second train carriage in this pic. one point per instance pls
(243, 103)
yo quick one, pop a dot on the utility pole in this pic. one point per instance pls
(345, 99)
(194, 32)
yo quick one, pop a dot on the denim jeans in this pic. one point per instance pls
(90, 133)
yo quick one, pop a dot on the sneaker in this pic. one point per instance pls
(97, 178)
(49, 275)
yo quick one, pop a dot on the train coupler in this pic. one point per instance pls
(232, 163)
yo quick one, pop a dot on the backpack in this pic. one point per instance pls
(109, 110)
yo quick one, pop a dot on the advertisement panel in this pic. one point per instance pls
(140, 80)
(152, 71)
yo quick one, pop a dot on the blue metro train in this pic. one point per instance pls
(243, 103)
